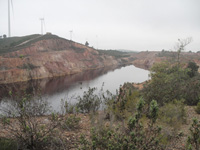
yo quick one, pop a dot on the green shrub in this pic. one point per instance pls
(167, 83)
(124, 105)
(71, 122)
(134, 137)
(54, 116)
(29, 131)
(90, 102)
(7, 144)
(77, 49)
(192, 90)
(193, 141)
(172, 114)
(171, 81)
(68, 108)
(193, 69)
(28, 66)
(5, 120)
(115, 53)
(198, 108)
(164, 53)
(21, 56)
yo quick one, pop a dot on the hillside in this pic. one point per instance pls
(11, 44)
(146, 59)
(36, 56)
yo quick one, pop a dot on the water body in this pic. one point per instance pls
(69, 87)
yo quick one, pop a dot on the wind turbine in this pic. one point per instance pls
(42, 23)
(97, 40)
(71, 32)
(9, 27)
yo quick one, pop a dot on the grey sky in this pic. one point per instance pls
(109, 24)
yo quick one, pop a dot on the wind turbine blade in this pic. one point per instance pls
(12, 8)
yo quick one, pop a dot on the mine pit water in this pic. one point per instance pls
(69, 87)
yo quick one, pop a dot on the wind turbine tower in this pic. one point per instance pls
(9, 33)
(42, 21)
(71, 32)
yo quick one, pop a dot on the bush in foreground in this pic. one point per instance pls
(198, 108)
(27, 127)
(7, 144)
(135, 136)
(193, 142)
(90, 102)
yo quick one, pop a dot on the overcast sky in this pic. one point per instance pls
(109, 24)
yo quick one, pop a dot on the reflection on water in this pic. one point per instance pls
(50, 86)
(66, 87)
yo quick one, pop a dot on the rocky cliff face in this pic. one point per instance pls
(50, 57)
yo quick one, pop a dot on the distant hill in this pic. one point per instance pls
(16, 43)
(127, 51)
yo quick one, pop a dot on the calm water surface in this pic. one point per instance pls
(69, 87)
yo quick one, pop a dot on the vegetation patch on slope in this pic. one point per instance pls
(115, 53)
(8, 45)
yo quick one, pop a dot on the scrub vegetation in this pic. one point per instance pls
(115, 53)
